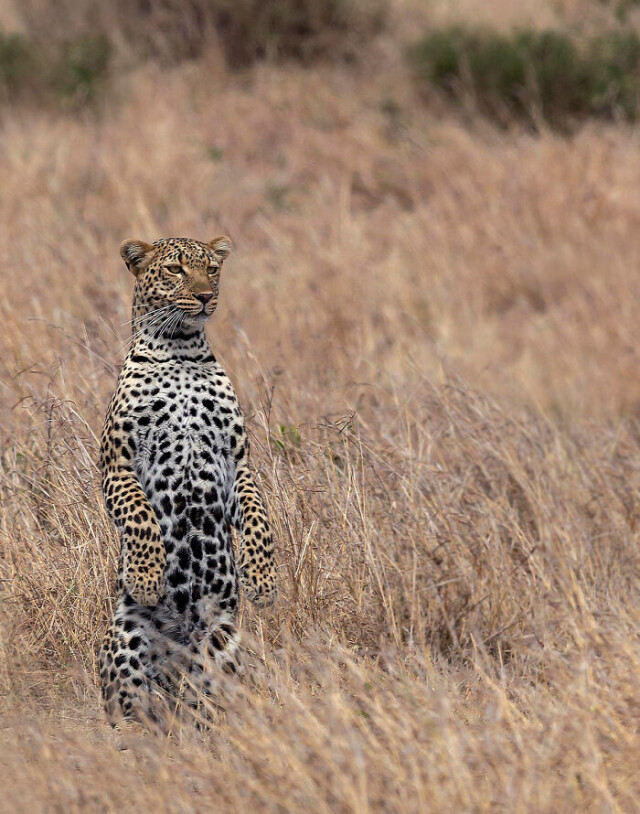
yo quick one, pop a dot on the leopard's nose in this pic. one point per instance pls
(204, 296)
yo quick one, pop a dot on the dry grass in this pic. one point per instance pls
(434, 334)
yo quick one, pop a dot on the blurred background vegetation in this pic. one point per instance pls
(66, 52)
(432, 320)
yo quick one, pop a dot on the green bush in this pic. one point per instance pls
(18, 66)
(82, 66)
(534, 74)
(73, 69)
(615, 74)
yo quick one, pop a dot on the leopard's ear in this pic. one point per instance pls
(137, 255)
(221, 247)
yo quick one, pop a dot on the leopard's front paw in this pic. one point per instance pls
(260, 587)
(146, 589)
(144, 572)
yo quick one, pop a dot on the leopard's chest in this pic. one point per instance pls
(182, 434)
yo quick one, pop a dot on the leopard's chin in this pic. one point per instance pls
(196, 319)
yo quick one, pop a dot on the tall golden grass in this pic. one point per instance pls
(433, 331)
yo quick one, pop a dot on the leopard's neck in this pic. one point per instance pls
(159, 337)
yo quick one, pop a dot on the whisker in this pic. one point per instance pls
(167, 320)
(178, 323)
(148, 314)
(145, 328)
(140, 323)
(161, 328)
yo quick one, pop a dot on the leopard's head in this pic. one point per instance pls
(176, 278)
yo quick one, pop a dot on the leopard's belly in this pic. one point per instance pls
(186, 471)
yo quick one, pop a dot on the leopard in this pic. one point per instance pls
(177, 480)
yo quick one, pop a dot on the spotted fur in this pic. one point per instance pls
(176, 478)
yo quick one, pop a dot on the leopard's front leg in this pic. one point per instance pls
(256, 560)
(143, 555)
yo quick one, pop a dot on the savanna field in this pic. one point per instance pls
(432, 321)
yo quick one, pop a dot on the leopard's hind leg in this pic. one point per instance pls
(213, 655)
(133, 682)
